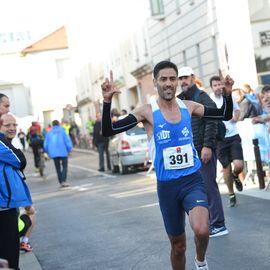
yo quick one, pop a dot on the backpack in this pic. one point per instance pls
(36, 140)
(221, 128)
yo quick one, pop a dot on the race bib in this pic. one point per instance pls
(178, 157)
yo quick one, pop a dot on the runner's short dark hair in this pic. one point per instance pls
(164, 64)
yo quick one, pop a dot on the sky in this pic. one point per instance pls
(95, 22)
(104, 23)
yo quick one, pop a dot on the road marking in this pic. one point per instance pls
(93, 171)
(131, 208)
(135, 192)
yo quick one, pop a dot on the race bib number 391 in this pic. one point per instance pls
(178, 157)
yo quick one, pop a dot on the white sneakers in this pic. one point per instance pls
(202, 267)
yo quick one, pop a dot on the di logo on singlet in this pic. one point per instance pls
(163, 135)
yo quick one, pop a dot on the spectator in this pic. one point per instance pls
(36, 143)
(9, 130)
(46, 130)
(199, 84)
(22, 137)
(249, 107)
(204, 138)
(15, 194)
(58, 145)
(66, 125)
(26, 223)
(74, 133)
(115, 114)
(123, 112)
(229, 150)
(102, 144)
(90, 126)
(35, 127)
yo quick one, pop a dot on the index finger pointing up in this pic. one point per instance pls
(111, 77)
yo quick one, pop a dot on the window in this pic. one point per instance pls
(184, 58)
(61, 68)
(178, 9)
(265, 79)
(157, 9)
(265, 38)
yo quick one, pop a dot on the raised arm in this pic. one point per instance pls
(226, 111)
(109, 128)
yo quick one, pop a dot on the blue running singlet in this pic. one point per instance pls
(171, 146)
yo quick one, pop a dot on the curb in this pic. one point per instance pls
(28, 260)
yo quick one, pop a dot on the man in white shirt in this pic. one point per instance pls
(229, 150)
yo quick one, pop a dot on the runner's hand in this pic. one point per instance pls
(108, 89)
(228, 83)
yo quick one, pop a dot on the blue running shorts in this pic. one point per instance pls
(177, 197)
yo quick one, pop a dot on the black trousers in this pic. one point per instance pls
(209, 173)
(35, 149)
(9, 237)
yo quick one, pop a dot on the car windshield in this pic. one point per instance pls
(136, 131)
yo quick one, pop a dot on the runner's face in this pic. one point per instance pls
(186, 82)
(166, 83)
(4, 105)
(217, 88)
(9, 126)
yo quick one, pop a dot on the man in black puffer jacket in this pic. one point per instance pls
(204, 138)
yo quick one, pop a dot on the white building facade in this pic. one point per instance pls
(206, 35)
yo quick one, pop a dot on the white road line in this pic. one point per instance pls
(93, 171)
(132, 208)
(135, 192)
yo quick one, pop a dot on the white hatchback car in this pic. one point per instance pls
(129, 149)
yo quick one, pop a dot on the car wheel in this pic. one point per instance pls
(122, 168)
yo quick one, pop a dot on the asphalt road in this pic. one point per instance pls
(106, 222)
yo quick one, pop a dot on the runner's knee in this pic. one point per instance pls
(178, 248)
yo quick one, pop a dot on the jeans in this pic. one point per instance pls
(61, 164)
(103, 148)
